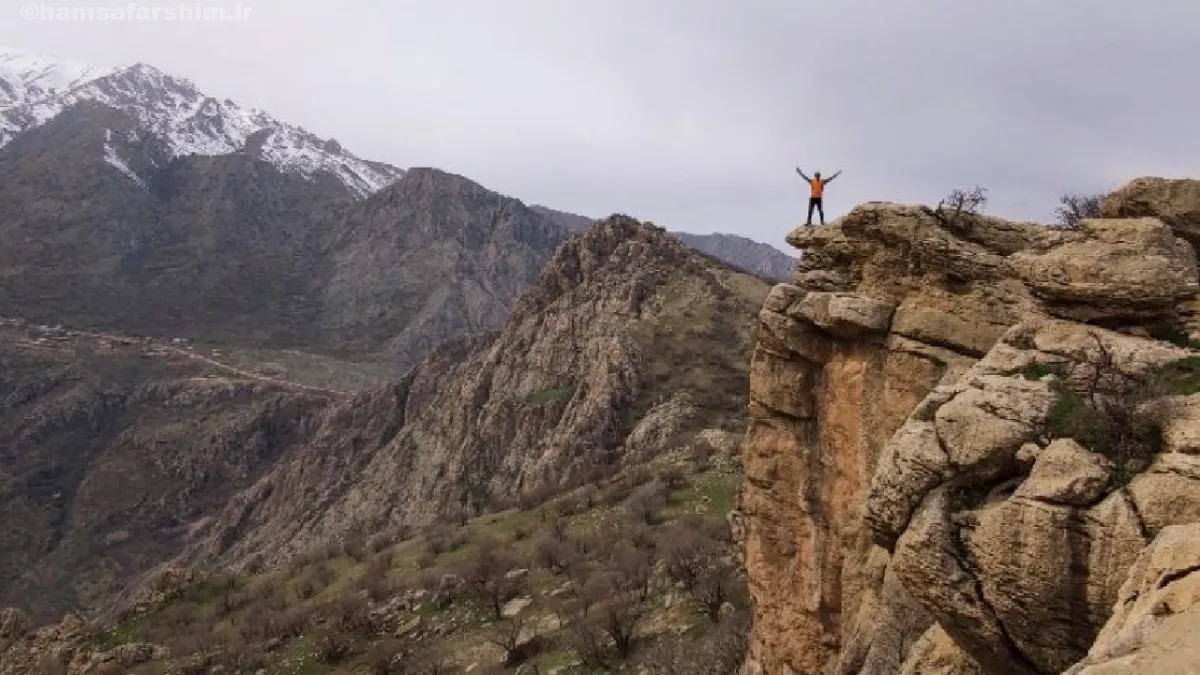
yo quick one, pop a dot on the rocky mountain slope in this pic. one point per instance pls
(227, 249)
(972, 445)
(747, 254)
(135, 203)
(752, 256)
(110, 450)
(645, 552)
(596, 366)
(35, 89)
(628, 341)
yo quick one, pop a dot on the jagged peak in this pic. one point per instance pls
(616, 251)
(434, 179)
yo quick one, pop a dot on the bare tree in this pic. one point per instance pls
(963, 201)
(1073, 209)
(647, 500)
(508, 634)
(687, 552)
(586, 637)
(554, 554)
(720, 651)
(631, 570)
(620, 618)
(714, 585)
(487, 576)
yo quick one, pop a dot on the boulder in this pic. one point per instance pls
(1134, 267)
(1175, 202)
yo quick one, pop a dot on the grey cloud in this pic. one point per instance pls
(692, 113)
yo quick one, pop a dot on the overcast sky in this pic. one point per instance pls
(693, 113)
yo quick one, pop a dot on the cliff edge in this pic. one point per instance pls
(973, 444)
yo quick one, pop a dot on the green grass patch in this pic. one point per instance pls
(120, 635)
(550, 395)
(1072, 417)
(1036, 371)
(711, 492)
(555, 659)
(1181, 377)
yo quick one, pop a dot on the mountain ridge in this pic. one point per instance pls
(36, 88)
(748, 254)
(229, 249)
(585, 371)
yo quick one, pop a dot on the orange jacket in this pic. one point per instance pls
(817, 186)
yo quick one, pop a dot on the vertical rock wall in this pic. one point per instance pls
(892, 305)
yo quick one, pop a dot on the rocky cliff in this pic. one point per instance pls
(971, 446)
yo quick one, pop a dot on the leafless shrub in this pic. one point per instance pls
(631, 570)
(355, 548)
(511, 634)
(714, 586)
(331, 647)
(487, 578)
(720, 651)
(961, 201)
(673, 477)
(620, 618)
(647, 500)
(1073, 209)
(588, 639)
(686, 553)
(554, 554)
(346, 613)
(376, 582)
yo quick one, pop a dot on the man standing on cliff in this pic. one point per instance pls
(816, 186)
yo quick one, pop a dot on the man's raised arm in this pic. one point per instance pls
(835, 175)
(802, 175)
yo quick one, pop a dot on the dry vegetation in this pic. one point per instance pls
(632, 571)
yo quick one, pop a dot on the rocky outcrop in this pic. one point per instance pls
(1015, 541)
(753, 256)
(916, 484)
(1176, 202)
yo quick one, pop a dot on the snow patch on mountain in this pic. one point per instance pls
(27, 77)
(175, 111)
(113, 159)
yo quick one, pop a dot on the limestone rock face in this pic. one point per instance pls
(1176, 202)
(911, 504)
(1009, 537)
(1130, 264)
(1066, 473)
(1154, 624)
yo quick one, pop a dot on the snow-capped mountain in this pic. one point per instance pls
(35, 88)
(26, 77)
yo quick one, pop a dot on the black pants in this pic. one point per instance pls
(815, 202)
